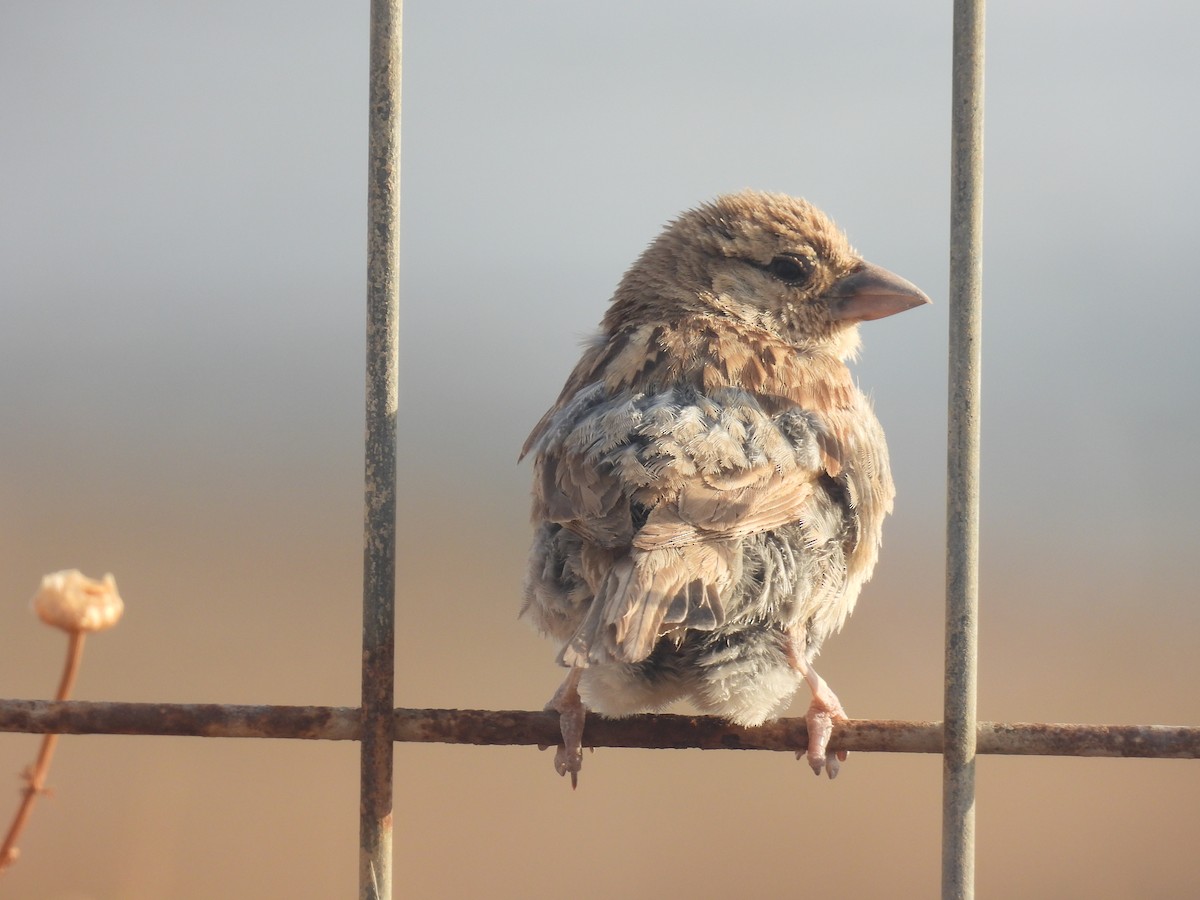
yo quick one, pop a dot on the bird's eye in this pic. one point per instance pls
(794, 270)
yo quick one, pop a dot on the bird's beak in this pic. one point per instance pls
(870, 292)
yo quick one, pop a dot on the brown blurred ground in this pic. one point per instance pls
(251, 596)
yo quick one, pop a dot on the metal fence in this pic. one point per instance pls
(376, 724)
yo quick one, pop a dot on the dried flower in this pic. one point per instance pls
(77, 604)
(73, 602)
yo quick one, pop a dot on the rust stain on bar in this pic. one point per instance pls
(180, 719)
(1042, 739)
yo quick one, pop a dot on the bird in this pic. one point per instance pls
(709, 488)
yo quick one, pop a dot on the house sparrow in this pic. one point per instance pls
(710, 487)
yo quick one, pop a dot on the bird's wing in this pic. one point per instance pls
(577, 482)
(683, 561)
(743, 503)
(678, 478)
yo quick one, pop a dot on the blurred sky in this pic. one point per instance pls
(182, 219)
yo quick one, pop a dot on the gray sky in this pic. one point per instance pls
(183, 218)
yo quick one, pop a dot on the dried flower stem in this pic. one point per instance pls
(35, 777)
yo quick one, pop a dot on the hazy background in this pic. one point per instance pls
(182, 222)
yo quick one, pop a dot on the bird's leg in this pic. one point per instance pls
(571, 714)
(823, 712)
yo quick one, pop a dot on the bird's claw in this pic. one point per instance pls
(569, 760)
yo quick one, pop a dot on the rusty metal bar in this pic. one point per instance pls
(518, 727)
(332, 723)
(962, 505)
(379, 527)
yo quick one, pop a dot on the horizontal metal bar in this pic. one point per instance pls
(517, 727)
(330, 723)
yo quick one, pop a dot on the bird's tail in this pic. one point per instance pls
(646, 595)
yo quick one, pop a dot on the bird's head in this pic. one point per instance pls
(768, 260)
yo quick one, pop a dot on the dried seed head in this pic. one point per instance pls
(73, 602)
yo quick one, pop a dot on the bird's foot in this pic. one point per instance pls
(821, 717)
(568, 758)
(823, 713)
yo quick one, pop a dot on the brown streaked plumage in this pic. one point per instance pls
(710, 486)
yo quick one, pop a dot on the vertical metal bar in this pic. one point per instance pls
(962, 507)
(379, 526)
